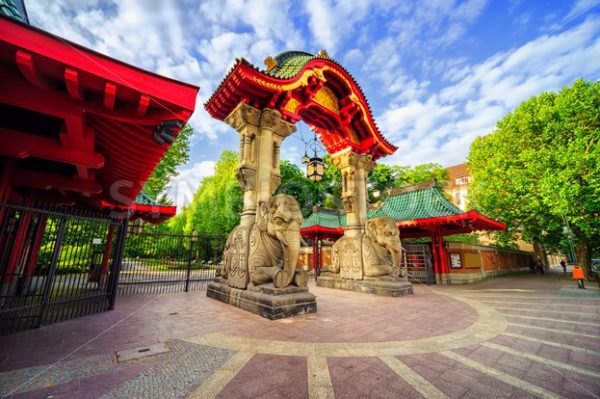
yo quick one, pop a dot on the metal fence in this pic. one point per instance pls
(419, 267)
(157, 263)
(55, 264)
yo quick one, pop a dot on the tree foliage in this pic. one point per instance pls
(218, 201)
(384, 177)
(540, 168)
(177, 154)
(216, 206)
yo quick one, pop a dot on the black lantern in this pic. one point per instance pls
(315, 169)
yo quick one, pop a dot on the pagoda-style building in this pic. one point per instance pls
(80, 133)
(419, 210)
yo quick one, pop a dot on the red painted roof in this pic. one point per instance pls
(321, 93)
(80, 124)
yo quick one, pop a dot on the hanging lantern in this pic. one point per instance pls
(305, 159)
(315, 169)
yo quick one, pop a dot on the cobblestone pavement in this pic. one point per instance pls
(513, 337)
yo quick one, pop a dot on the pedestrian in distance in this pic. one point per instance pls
(564, 266)
(539, 266)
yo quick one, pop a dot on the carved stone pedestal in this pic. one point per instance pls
(385, 286)
(265, 300)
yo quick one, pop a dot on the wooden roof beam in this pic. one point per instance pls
(47, 181)
(110, 95)
(72, 82)
(143, 104)
(16, 144)
(28, 69)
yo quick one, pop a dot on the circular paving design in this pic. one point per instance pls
(476, 323)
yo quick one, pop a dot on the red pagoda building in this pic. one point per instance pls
(419, 210)
(80, 133)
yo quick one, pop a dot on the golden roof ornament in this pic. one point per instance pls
(271, 63)
(323, 54)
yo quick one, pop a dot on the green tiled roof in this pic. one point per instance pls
(325, 217)
(289, 64)
(419, 201)
(418, 204)
(144, 199)
(8, 8)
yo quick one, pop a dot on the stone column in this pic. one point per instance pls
(246, 120)
(365, 165)
(354, 168)
(272, 131)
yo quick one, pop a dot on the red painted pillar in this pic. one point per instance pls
(314, 254)
(434, 254)
(35, 248)
(4, 187)
(319, 255)
(19, 244)
(442, 254)
(107, 249)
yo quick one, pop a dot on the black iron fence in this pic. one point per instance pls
(158, 262)
(56, 264)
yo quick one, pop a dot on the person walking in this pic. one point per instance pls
(564, 266)
(539, 266)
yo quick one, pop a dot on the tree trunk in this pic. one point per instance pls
(540, 253)
(584, 259)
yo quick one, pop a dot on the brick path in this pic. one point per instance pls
(514, 337)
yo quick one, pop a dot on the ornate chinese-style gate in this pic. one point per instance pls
(263, 107)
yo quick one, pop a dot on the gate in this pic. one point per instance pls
(158, 263)
(55, 264)
(417, 258)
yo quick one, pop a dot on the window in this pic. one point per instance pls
(462, 180)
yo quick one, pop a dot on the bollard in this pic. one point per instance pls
(578, 275)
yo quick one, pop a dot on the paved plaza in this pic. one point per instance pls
(513, 337)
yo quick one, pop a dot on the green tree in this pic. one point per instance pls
(423, 172)
(296, 184)
(540, 168)
(384, 177)
(216, 206)
(177, 154)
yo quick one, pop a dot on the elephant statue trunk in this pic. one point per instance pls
(290, 240)
(275, 242)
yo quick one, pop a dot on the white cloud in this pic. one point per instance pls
(441, 127)
(580, 7)
(333, 21)
(184, 185)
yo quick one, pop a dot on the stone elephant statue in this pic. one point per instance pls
(275, 243)
(376, 253)
(382, 249)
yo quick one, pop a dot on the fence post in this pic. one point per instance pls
(53, 263)
(193, 238)
(116, 262)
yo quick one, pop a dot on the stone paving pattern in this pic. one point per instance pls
(514, 337)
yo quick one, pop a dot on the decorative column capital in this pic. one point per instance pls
(366, 162)
(271, 119)
(242, 116)
(345, 159)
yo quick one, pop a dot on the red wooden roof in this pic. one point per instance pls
(76, 126)
(314, 89)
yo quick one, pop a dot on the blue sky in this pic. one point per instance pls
(437, 73)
